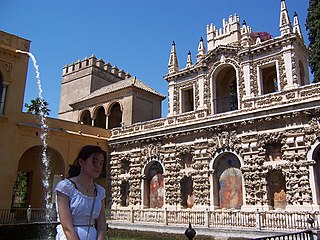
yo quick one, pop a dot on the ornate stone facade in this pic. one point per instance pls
(251, 116)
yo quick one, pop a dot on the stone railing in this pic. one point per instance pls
(24, 215)
(233, 219)
(293, 95)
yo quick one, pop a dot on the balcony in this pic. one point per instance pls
(225, 104)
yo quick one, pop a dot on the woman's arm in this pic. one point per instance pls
(65, 216)
(101, 223)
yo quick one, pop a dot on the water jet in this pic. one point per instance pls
(46, 173)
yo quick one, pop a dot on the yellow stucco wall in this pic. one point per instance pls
(20, 143)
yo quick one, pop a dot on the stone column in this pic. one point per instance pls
(3, 97)
(107, 121)
(246, 79)
(200, 81)
(171, 110)
(289, 60)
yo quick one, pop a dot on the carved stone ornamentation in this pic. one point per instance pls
(224, 140)
(312, 131)
(265, 134)
(7, 66)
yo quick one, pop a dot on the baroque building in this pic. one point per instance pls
(242, 130)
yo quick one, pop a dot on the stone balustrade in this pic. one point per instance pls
(273, 220)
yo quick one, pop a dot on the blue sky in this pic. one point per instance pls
(134, 35)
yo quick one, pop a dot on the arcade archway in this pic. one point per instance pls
(28, 185)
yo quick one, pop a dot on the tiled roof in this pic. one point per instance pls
(122, 84)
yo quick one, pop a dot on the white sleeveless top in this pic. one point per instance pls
(80, 206)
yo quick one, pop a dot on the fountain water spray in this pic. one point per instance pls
(43, 136)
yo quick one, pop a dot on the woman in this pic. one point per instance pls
(80, 201)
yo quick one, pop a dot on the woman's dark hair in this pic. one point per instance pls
(85, 152)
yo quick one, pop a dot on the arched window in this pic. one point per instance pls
(100, 120)
(115, 116)
(86, 118)
(225, 98)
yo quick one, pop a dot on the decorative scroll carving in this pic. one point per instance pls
(224, 140)
(184, 149)
(152, 151)
(7, 66)
(267, 138)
